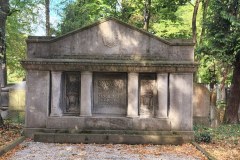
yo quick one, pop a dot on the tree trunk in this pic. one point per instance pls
(147, 14)
(4, 11)
(1, 119)
(47, 3)
(1, 122)
(204, 15)
(231, 112)
(194, 20)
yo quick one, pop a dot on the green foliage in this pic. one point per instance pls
(223, 31)
(203, 137)
(202, 134)
(16, 50)
(178, 28)
(227, 133)
(221, 42)
(81, 13)
(19, 23)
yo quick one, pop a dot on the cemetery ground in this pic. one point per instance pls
(223, 143)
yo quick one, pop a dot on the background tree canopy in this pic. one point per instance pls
(135, 12)
(217, 32)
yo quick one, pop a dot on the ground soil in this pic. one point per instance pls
(9, 133)
(221, 149)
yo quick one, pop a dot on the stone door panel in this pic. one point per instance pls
(110, 92)
(72, 93)
(148, 95)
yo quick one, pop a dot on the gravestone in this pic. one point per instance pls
(109, 76)
(201, 105)
(16, 103)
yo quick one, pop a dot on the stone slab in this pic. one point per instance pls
(110, 93)
(108, 138)
(109, 123)
(17, 99)
(201, 101)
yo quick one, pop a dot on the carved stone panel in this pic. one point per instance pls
(110, 92)
(72, 93)
(148, 95)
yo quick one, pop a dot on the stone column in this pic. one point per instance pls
(132, 110)
(181, 91)
(56, 96)
(86, 94)
(162, 89)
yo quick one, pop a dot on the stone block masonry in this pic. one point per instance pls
(109, 76)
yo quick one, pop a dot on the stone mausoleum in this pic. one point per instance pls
(111, 80)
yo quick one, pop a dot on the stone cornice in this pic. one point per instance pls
(109, 65)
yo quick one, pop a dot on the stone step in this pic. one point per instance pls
(108, 138)
(135, 132)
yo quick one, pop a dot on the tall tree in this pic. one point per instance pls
(16, 19)
(194, 21)
(223, 42)
(4, 12)
(147, 14)
(204, 15)
(47, 11)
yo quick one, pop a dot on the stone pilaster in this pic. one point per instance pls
(132, 110)
(56, 96)
(86, 94)
(37, 98)
(162, 89)
(181, 90)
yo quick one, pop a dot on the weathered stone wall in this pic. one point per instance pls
(110, 39)
(109, 76)
(37, 99)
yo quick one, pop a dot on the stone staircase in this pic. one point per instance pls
(113, 137)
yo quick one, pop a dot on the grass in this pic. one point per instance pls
(225, 132)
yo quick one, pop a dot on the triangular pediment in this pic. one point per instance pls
(112, 38)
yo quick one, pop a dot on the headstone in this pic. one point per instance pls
(16, 104)
(201, 104)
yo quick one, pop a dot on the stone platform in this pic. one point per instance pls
(112, 137)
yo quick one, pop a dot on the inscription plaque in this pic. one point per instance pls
(148, 95)
(72, 92)
(110, 91)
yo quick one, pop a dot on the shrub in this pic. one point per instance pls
(203, 137)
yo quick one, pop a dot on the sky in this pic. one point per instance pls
(55, 8)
